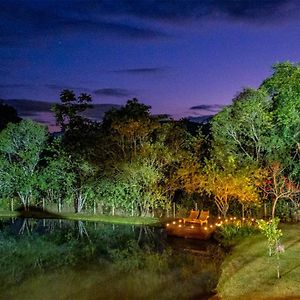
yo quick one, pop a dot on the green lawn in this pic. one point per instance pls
(86, 217)
(248, 272)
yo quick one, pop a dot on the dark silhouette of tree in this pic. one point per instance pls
(67, 113)
(8, 114)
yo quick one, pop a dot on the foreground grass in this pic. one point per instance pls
(248, 272)
(84, 217)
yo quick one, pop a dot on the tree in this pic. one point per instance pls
(21, 147)
(284, 89)
(139, 184)
(67, 113)
(57, 177)
(8, 114)
(125, 130)
(243, 130)
(279, 187)
(230, 184)
(80, 133)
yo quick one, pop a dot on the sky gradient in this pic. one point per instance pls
(184, 58)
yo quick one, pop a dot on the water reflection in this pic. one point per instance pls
(59, 259)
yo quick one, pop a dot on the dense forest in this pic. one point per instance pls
(245, 160)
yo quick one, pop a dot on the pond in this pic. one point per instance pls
(59, 259)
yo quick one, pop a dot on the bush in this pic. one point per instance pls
(230, 233)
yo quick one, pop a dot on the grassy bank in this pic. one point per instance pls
(248, 273)
(83, 217)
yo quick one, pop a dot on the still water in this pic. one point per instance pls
(58, 259)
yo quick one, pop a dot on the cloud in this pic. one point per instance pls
(208, 107)
(139, 71)
(178, 11)
(23, 22)
(40, 111)
(15, 85)
(27, 107)
(61, 87)
(113, 92)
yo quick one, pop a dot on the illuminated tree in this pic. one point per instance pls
(279, 187)
(226, 185)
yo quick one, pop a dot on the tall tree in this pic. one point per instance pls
(242, 131)
(21, 147)
(284, 89)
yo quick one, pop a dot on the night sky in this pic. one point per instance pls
(184, 58)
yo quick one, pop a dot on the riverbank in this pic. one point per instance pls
(248, 272)
(82, 217)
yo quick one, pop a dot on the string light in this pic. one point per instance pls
(168, 224)
(174, 222)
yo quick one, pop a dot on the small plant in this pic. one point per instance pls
(273, 234)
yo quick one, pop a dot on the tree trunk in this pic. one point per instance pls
(95, 208)
(274, 207)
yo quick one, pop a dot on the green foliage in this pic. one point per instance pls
(284, 89)
(270, 230)
(21, 147)
(231, 233)
(242, 131)
(228, 184)
(57, 176)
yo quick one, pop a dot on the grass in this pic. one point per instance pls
(84, 217)
(248, 272)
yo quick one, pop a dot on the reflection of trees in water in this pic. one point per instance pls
(135, 252)
(30, 246)
(83, 231)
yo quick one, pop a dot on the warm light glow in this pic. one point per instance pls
(205, 228)
(168, 224)
(230, 218)
(243, 219)
(219, 217)
(180, 221)
(179, 225)
(226, 220)
(252, 219)
(174, 222)
(211, 226)
(234, 218)
(192, 226)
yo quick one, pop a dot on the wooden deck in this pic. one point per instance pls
(189, 230)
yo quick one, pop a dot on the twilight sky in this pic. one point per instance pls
(182, 57)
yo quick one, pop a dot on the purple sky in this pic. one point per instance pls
(172, 55)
